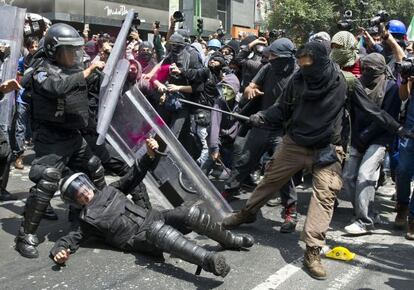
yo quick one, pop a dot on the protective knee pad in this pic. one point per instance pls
(200, 221)
(97, 172)
(40, 196)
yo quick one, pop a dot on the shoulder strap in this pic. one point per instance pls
(350, 81)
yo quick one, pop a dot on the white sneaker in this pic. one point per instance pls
(356, 229)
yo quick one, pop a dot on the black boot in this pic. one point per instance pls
(26, 244)
(172, 241)
(200, 221)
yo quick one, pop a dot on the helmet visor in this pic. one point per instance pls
(78, 189)
(69, 56)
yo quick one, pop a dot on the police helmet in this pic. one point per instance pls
(58, 35)
(73, 186)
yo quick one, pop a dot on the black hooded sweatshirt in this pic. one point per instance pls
(313, 104)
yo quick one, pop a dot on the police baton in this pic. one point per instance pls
(238, 116)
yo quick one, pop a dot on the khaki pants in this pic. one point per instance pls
(288, 159)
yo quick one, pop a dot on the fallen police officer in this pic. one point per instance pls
(108, 214)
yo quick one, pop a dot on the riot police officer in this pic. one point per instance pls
(58, 90)
(109, 216)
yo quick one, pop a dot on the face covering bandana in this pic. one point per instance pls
(343, 57)
(228, 93)
(144, 56)
(228, 58)
(177, 48)
(282, 66)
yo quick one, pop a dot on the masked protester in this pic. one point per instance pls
(322, 37)
(59, 95)
(204, 87)
(368, 144)
(345, 52)
(230, 50)
(224, 128)
(108, 215)
(145, 57)
(312, 106)
(249, 58)
(265, 89)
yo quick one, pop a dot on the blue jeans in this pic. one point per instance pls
(360, 174)
(22, 127)
(404, 174)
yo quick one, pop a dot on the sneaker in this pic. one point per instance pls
(356, 229)
(410, 231)
(18, 164)
(274, 202)
(291, 219)
(313, 264)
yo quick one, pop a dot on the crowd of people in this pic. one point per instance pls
(336, 109)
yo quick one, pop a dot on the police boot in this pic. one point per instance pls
(36, 205)
(200, 221)
(290, 217)
(402, 214)
(172, 241)
(312, 262)
(96, 172)
(238, 218)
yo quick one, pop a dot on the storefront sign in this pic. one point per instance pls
(120, 11)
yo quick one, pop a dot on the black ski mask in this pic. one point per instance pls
(283, 66)
(321, 71)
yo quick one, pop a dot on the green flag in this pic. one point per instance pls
(410, 31)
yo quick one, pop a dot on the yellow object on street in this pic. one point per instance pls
(340, 253)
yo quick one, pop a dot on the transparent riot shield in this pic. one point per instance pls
(113, 80)
(135, 120)
(11, 37)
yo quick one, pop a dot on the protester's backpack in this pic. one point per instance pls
(351, 81)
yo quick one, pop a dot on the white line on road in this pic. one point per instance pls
(280, 276)
(342, 280)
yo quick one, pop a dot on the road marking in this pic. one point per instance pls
(343, 280)
(280, 276)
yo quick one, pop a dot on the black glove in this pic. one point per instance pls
(403, 133)
(256, 120)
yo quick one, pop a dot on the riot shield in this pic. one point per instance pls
(11, 38)
(113, 80)
(177, 174)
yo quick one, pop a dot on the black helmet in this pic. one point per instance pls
(60, 34)
(71, 186)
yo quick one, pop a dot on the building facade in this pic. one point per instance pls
(100, 14)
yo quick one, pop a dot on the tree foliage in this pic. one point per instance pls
(301, 18)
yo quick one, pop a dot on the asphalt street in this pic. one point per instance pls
(384, 259)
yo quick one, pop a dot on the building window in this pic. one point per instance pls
(222, 13)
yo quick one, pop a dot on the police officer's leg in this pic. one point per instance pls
(200, 221)
(46, 173)
(83, 160)
(172, 241)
